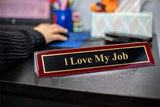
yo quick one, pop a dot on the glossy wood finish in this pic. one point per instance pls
(40, 64)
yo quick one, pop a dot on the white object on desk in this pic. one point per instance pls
(138, 25)
(132, 6)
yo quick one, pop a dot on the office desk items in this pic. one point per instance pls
(16, 14)
(63, 14)
(64, 5)
(75, 40)
(55, 6)
(127, 19)
(98, 7)
(138, 25)
(77, 24)
(71, 3)
(105, 6)
(122, 38)
(76, 16)
(64, 18)
(59, 3)
(132, 6)
(65, 34)
(92, 59)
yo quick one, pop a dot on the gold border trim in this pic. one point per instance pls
(96, 66)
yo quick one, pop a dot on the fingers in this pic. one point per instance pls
(55, 37)
(57, 29)
(54, 28)
(45, 24)
(51, 32)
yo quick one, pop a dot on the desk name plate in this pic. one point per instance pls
(92, 59)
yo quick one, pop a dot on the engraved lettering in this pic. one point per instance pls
(89, 60)
(107, 59)
(84, 60)
(125, 56)
(119, 57)
(79, 61)
(99, 59)
(72, 62)
(115, 57)
(65, 61)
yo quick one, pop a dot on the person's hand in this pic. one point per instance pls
(51, 32)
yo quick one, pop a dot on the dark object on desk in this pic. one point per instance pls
(65, 34)
(59, 41)
(123, 38)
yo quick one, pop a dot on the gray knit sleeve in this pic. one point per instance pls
(15, 47)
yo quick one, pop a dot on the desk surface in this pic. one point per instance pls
(142, 82)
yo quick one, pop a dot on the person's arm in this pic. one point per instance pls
(15, 47)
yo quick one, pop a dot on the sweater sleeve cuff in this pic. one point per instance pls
(39, 40)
